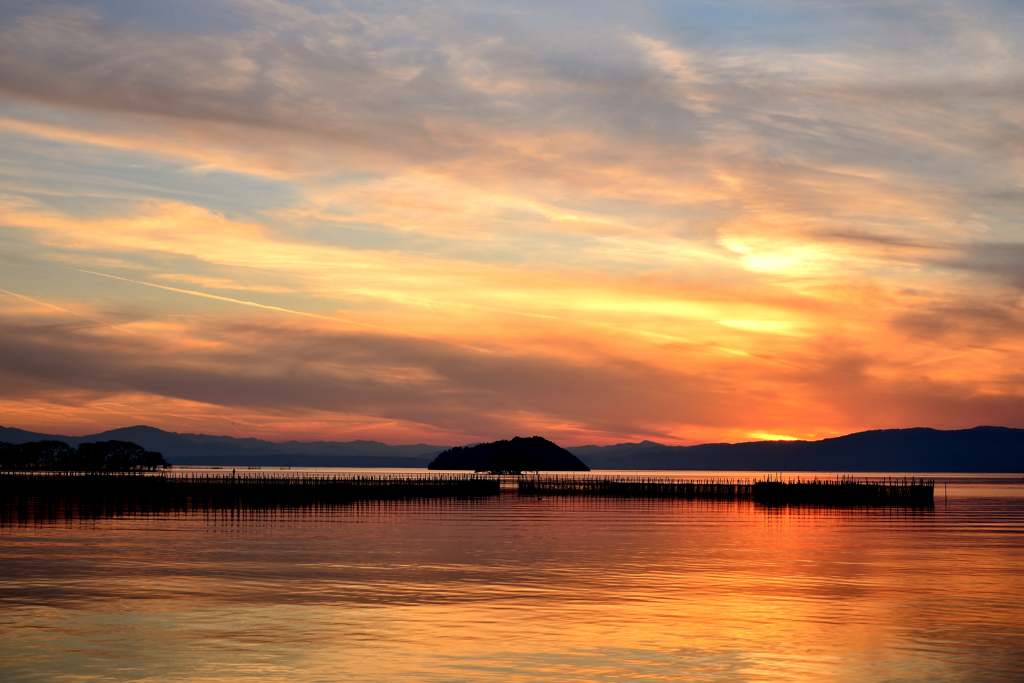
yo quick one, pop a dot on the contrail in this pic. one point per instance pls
(63, 310)
(356, 323)
(250, 303)
(218, 298)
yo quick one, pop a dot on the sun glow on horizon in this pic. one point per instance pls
(762, 436)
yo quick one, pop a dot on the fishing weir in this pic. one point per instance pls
(841, 491)
(62, 495)
(636, 487)
(846, 492)
(57, 495)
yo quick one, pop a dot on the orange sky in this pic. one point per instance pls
(453, 223)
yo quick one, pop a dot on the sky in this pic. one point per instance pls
(455, 221)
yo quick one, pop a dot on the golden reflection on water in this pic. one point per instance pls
(517, 589)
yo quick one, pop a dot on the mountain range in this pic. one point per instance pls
(205, 449)
(981, 449)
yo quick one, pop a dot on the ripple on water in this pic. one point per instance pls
(523, 589)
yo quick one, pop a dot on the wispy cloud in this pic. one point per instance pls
(464, 221)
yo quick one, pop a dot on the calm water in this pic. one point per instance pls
(525, 590)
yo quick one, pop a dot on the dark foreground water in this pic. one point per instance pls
(515, 589)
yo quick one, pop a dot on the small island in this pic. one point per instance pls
(515, 456)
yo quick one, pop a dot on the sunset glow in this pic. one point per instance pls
(684, 222)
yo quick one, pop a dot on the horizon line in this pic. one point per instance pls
(473, 443)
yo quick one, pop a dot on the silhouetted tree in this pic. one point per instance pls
(92, 457)
(151, 460)
(47, 455)
(119, 456)
(11, 457)
(109, 456)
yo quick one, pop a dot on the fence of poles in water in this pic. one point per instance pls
(840, 491)
(846, 491)
(66, 495)
(52, 495)
(637, 487)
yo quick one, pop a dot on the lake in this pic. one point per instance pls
(521, 589)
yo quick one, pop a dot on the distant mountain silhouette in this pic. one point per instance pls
(204, 449)
(515, 455)
(981, 449)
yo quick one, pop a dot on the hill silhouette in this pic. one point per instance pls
(510, 456)
(981, 449)
(206, 449)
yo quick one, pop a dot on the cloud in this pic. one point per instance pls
(1004, 261)
(605, 223)
(967, 322)
(821, 141)
(290, 369)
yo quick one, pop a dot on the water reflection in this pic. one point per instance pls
(520, 589)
